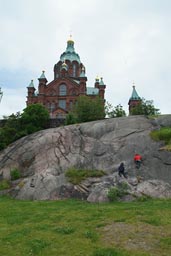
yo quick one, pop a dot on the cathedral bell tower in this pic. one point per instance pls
(134, 99)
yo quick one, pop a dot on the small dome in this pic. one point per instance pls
(97, 79)
(101, 81)
(134, 95)
(70, 53)
(42, 75)
(31, 84)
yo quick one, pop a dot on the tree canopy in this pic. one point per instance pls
(116, 111)
(85, 110)
(145, 107)
(33, 118)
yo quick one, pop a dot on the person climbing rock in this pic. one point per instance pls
(121, 170)
(137, 160)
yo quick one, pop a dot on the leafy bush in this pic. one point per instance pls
(117, 192)
(4, 184)
(75, 176)
(143, 198)
(112, 112)
(70, 118)
(162, 134)
(15, 174)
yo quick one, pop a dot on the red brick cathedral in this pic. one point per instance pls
(69, 82)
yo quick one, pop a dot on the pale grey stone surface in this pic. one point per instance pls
(44, 157)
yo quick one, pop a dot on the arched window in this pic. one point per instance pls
(52, 106)
(74, 70)
(62, 90)
(48, 105)
(62, 104)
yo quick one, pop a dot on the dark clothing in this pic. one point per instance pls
(121, 170)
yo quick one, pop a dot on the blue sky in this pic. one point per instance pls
(120, 40)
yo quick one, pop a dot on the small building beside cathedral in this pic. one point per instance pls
(69, 83)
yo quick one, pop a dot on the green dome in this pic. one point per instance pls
(70, 53)
(134, 95)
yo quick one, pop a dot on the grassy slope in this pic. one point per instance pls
(79, 228)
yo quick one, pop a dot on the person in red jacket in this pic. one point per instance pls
(137, 160)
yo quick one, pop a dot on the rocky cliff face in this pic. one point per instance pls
(43, 158)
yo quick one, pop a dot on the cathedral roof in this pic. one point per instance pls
(134, 95)
(101, 81)
(92, 91)
(42, 75)
(31, 84)
(70, 53)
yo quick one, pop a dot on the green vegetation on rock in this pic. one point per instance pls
(15, 174)
(117, 192)
(4, 184)
(75, 176)
(163, 134)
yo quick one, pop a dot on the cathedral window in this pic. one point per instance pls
(52, 106)
(48, 105)
(70, 104)
(74, 70)
(62, 104)
(62, 90)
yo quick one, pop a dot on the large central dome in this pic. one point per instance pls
(70, 53)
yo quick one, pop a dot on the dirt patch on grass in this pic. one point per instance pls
(140, 237)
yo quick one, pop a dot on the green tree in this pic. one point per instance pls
(10, 131)
(145, 107)
(70, 118)
(86, 109)
(116, 111)
(34, 118)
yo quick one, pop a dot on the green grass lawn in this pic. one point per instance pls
(73, 228)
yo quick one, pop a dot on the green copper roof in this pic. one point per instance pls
(92, 91)
(101, 81)
(42, 75)
(70, 53)
(31, 84)
(134, 95)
